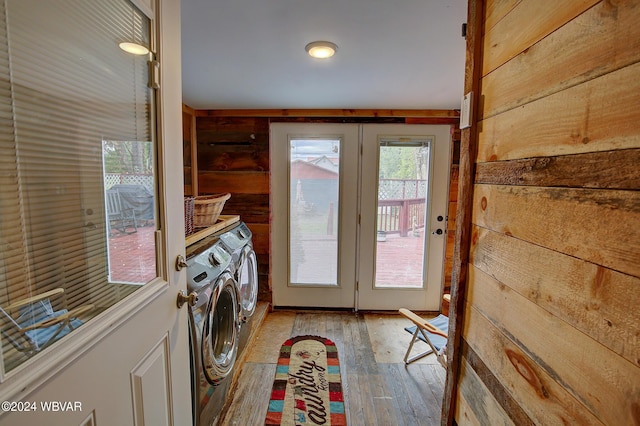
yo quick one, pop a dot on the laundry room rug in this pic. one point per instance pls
(307, 389)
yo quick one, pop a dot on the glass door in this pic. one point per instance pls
(357, 211)
(314, 187)
(403, 213)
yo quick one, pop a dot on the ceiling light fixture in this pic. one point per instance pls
(134, 48)
(321, 49)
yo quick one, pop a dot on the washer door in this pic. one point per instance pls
(248, 281)
(220, 331)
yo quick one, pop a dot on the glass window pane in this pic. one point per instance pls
(402, 195)
(72, 104)
(130, 203)
(314, 175)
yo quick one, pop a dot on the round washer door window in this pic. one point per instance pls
(220, 332)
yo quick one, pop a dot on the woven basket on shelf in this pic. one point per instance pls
(188, 215)
(207, 209)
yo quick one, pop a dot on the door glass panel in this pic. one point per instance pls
(403, 172)
(314, 174)
(76, 121)
(130, 208)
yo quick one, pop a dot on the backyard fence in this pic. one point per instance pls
(146, 180)
(400, 189)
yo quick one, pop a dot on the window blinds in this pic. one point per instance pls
(65, 87)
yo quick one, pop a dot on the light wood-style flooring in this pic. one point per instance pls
(378, 388)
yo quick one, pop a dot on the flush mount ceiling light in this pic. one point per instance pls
(321, 49)
(134, 48)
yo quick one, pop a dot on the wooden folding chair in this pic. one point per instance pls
(433, 332)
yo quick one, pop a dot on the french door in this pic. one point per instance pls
(314, 231)
(403, 209)
(359, 215)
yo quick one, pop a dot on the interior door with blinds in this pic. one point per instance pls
(87, 293)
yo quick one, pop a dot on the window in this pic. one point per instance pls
(75, 128)
(314, 175)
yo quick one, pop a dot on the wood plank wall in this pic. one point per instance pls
(233, 156)
(453, 205)
(549, 315)
(189, 151)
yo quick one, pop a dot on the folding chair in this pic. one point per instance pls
(38, 325)
(433, 332)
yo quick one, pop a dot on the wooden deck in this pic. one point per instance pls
(133, 258)
(379, 389)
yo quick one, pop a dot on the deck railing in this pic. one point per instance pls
(401, 216)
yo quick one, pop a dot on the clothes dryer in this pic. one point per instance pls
(237, 239)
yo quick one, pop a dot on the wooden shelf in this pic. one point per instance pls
(223, 222)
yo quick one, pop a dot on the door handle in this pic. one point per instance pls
(437, 232)
(180, 263)
(183, 298)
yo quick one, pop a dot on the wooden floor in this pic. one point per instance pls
(379, 389)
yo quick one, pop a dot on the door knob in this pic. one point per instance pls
(437, 232)
(180, 263)
(190, 300)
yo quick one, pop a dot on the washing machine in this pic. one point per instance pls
(237, 239)
(214, 327)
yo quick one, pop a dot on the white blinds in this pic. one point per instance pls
(65, 87)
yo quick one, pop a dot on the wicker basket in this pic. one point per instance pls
(188, 215)
(207, 209)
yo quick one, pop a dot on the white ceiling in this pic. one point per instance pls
(392, 54)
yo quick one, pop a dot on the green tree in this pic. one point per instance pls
(398, 162)
(127, 157)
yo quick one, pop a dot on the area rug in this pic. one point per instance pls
(307, 389)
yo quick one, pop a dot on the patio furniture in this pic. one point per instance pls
(32, 324)
(433, 332)
(119, 217)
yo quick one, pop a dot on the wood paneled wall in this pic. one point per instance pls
(189, 151)
(453, 205)
(547, 308)
(233, 156)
